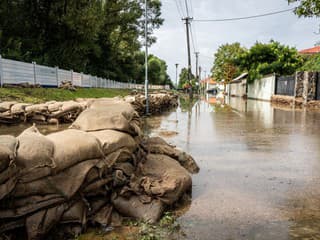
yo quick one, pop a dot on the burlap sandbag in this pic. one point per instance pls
(35, 150)
(65, 183)
(77, 213)
(74, 146)
(8, 151)
(164, 178)
(109, 116)
(133, 207)
(19, 108)
(6, 106)
(113, 140)
(157, 145)
(40, 223)
(36, 108)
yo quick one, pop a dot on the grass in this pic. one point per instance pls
(40, 95)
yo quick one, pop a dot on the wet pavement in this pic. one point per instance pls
(260, 169)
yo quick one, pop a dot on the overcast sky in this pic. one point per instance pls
(285, 28)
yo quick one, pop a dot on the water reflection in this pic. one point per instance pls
(260, 169)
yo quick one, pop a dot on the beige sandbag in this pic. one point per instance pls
(74, 146)
(157, 145)
(164, 178)
(65, 183)
(113, 140)
(70, 106)
(133, 207)
(6, 106)
(54, 106)
(8, 151)
(19, 108)
(108, 116)
(36, 108)
(35, 150)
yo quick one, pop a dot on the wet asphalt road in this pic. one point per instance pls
(260, 169)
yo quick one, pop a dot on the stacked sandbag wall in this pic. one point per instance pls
(54, 112)
(93, 174)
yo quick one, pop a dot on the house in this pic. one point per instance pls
(238, 86)
(310, 51)
(210, 84)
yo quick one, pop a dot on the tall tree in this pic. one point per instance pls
(307, 8)
(224, 67)
(266, 58)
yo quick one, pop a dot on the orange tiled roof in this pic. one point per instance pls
(313, 50)
(210, 80)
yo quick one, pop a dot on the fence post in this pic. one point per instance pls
(57, 75)
(34, 73)
(81, 79)
(71, 72)
(1, 72)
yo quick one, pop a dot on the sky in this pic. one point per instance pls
(286, 28)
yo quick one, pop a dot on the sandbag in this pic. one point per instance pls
(77, 213)
(109, 116)
(74, 146)
(54, 106)
(8, 151)
(40, 223)
(65, 184)
(6, 106)
(19, 108)
(133, 207)
(157, 145)
(36, 108)
(164, 178)
(70, 106)
(35, 150)
(113, 140)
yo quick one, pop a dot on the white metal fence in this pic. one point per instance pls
(15, 72)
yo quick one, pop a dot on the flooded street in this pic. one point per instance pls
(260, 169)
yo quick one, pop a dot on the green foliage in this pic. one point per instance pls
(224, 67)
(183, 79)
(307, 8)
(312, 63)
(99, 37)
(272, 57)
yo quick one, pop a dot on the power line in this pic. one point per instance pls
(192, 39)
(179, 11)
(181, 7)
(243, 18)
(186, 3)
(191, 7)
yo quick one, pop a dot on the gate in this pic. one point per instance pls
(285, 85)
(318, 90)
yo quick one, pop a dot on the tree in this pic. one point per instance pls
(94, 36)
(266, 58)
(307, 8)
(183, 79)
(224, 66)
(312, 63)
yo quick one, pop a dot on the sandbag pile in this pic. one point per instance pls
(67, 85)
(50, 112)
(95, 173)
(54, 112)
(158, 102)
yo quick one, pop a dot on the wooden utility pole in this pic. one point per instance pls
(146, 83)
(177, 64)
(197, 63)
(187, 22)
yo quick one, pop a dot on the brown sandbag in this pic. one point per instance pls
(109, 116)
(164, 178)
(8, 151)
(77, 213)
(66, 183)
(103, 216)
(157, 145)
(40, 223)
(133, 207)
(74, 146)
(35, 150)
(113, 140)
(7, 187)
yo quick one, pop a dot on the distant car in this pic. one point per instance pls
(213, 91)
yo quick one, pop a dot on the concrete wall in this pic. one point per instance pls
(238, 89)
(262, 89)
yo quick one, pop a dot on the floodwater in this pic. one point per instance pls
(260, 169)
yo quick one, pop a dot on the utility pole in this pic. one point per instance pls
(146, 58)
(200, 69)
(177, 64)
(197, 63)
(187, 22)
